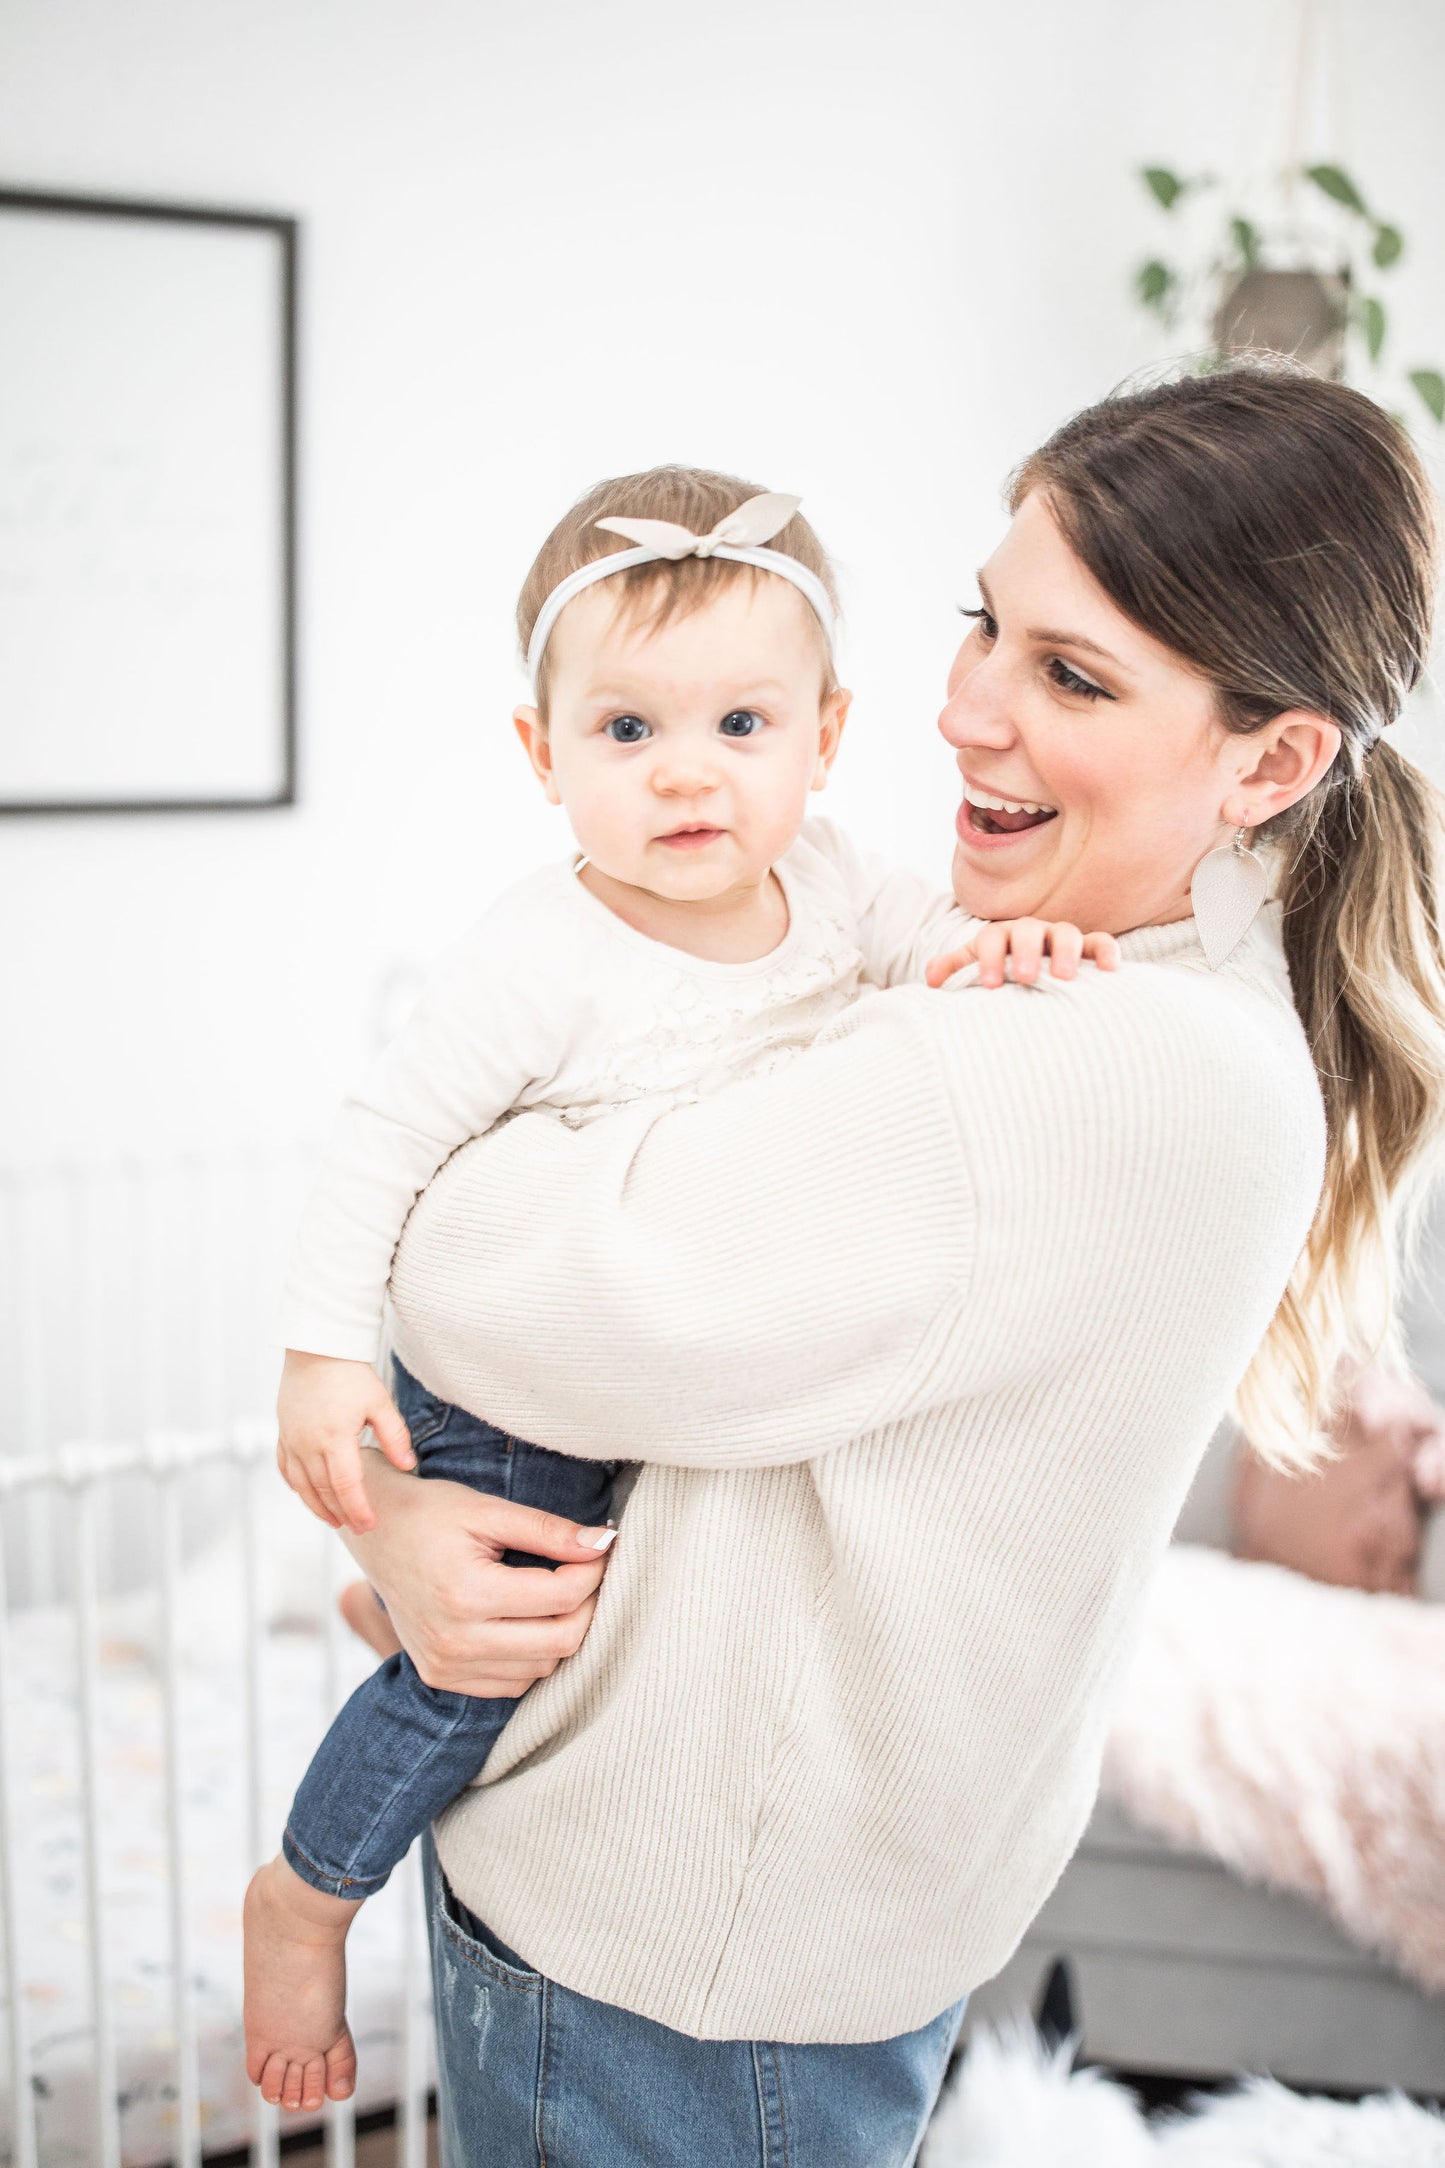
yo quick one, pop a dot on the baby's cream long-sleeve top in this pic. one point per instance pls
(551, 1002)
(921, 1339)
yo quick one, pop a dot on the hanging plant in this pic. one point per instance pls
(1321, 314)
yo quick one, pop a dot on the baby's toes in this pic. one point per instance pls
(273, 2078)
(301, 2082)
(341, 2069)
(313, 2082)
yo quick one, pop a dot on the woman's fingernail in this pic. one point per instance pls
(596, 1539)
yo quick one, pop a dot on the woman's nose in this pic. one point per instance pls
(976, 710)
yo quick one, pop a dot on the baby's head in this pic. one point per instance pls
(683, 708)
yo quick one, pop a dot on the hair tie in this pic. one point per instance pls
(738, 537)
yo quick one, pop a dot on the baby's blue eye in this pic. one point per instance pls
(741, 723)
(628, 729)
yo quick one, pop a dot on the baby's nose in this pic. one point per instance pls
(683, 777)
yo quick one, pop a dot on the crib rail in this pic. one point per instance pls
(245, 1451)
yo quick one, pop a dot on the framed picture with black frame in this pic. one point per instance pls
(147, 506)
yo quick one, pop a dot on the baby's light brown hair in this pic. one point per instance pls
(691, 497)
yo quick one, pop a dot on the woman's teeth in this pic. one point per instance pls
(1003, 805)
(991, 816)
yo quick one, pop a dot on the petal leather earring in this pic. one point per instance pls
(1227, 890)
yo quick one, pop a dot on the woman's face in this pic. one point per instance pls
(1105, 746)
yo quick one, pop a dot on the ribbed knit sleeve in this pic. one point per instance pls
(650, 1286)
(956, 1187)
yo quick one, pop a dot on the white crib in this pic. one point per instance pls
(169, 1651)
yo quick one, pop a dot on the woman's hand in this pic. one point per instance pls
(1017, 947)
(470, 1624)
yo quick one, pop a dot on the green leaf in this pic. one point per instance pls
(1153, 282)
(1430, 384)
(1389, 246)
(1165, 187)
(1336, 184)
(1371, 319)
(1246, 240)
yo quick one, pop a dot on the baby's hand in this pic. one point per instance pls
(1021, 944)
(323, 1407)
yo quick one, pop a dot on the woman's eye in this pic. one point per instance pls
(1069, 681)
(741, 723)
(628, 729)
(987, 624)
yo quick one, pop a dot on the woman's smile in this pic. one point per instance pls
(988, 820)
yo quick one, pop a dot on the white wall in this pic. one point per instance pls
(870, 250)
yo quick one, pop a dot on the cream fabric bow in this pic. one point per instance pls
(756, 521)
(742, 537)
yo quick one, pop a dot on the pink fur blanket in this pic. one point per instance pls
(1297, 1733)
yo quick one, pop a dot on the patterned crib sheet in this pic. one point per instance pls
(387, 1954)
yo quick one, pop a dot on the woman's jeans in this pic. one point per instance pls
(534, 2076)
(400, 1751)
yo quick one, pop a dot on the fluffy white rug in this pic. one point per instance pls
(1265, 2126)
(1017, 2103)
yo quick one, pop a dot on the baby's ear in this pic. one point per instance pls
(532, 731)
(832, 716)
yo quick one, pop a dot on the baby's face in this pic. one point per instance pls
(684, 756)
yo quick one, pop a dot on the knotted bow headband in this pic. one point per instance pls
(739, 538)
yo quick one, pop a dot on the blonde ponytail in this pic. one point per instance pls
(1363, 936)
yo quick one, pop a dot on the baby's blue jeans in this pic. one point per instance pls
(400, 1751)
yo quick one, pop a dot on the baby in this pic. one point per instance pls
(678, 627)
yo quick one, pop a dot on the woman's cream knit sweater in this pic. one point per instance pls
(921, 1340)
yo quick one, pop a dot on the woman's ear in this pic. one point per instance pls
(1279, 765)
(532, 731)
(833, 716)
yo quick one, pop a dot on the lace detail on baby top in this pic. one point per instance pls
(679, 1034)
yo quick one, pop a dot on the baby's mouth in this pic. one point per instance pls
(991, 815)
(693, 837)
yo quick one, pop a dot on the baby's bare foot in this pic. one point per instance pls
(362, 1612)
(298, 2044)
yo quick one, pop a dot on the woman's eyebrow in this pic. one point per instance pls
(1047, 636)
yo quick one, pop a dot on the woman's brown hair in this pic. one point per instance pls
(1280, 534)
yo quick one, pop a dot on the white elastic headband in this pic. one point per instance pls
(738, 538)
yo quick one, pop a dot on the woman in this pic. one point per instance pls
(921, 1339)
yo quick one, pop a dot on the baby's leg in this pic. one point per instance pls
(365, 1614)
(396, 1755)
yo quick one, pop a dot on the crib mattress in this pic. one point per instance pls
(41, 1691)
